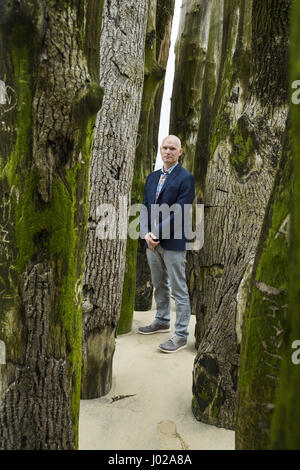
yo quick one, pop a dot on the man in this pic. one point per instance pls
(165, 237)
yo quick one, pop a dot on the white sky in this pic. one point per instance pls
(166, 101)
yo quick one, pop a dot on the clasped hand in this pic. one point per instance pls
(149, 237)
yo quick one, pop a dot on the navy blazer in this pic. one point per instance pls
(169, 227)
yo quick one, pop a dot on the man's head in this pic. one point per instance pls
(170, 151)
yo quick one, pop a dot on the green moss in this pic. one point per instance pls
(144, 160)
(243, 142)
(129, 284)
(220, 132)
(285, 426)
(215, 411)
(203, 396)
(129, 287)
(61, 247)
(195, 408)
(50, 230)
(12, 330)
(265, 323)
(21, 64)
(16, 148)
(72, 253)
(208, 396)
(52, 233)
(87, 105)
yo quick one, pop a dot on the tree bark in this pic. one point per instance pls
(122, 75)
(144, 287)
(138, 289)
(265, 325)
(48, 108)
(285, 426)
(241, 121)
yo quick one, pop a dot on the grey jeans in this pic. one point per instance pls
(168, 270)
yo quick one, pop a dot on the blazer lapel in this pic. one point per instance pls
(154, 186)
(169, 178)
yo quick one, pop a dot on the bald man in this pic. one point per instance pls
(164, 233)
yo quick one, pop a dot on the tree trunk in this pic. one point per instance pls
(196, 71)
(48, 108)
(122, 75)
(144, 286)
(137, 274)
(240, 124)
(266, 316)
(285, 426)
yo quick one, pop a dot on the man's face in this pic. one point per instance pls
(170, 151)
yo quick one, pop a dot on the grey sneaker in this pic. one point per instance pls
(173, 344)
(155, 327)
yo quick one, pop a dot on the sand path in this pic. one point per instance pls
(157, 414)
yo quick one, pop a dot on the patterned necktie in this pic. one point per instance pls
(161, 182)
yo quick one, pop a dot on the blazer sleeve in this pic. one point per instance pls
(187, 191)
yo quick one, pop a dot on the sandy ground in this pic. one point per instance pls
(158, 414)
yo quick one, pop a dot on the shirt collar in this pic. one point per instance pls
(169, 170)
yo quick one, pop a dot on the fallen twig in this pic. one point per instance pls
(120, 397)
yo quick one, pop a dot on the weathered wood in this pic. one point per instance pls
(138, 289)
(122, 75)
(47, 116)
(285, 426)
(265, 324)
(235, 110)
(144, 286)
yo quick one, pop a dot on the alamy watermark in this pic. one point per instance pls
(295, 358)
(296, 94)
(296, 354)
(166, 222)
(2, 352)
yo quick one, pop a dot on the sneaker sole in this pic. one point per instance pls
(153, 332)
(168, 351)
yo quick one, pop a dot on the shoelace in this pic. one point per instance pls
(173, 338)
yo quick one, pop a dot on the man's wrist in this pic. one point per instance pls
(151, 237)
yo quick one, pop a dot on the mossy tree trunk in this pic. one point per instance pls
(49, 101)
(238, 126)
(198, 61)
(265, 324)
(285, 426)
(137, 291)
(122, 75)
